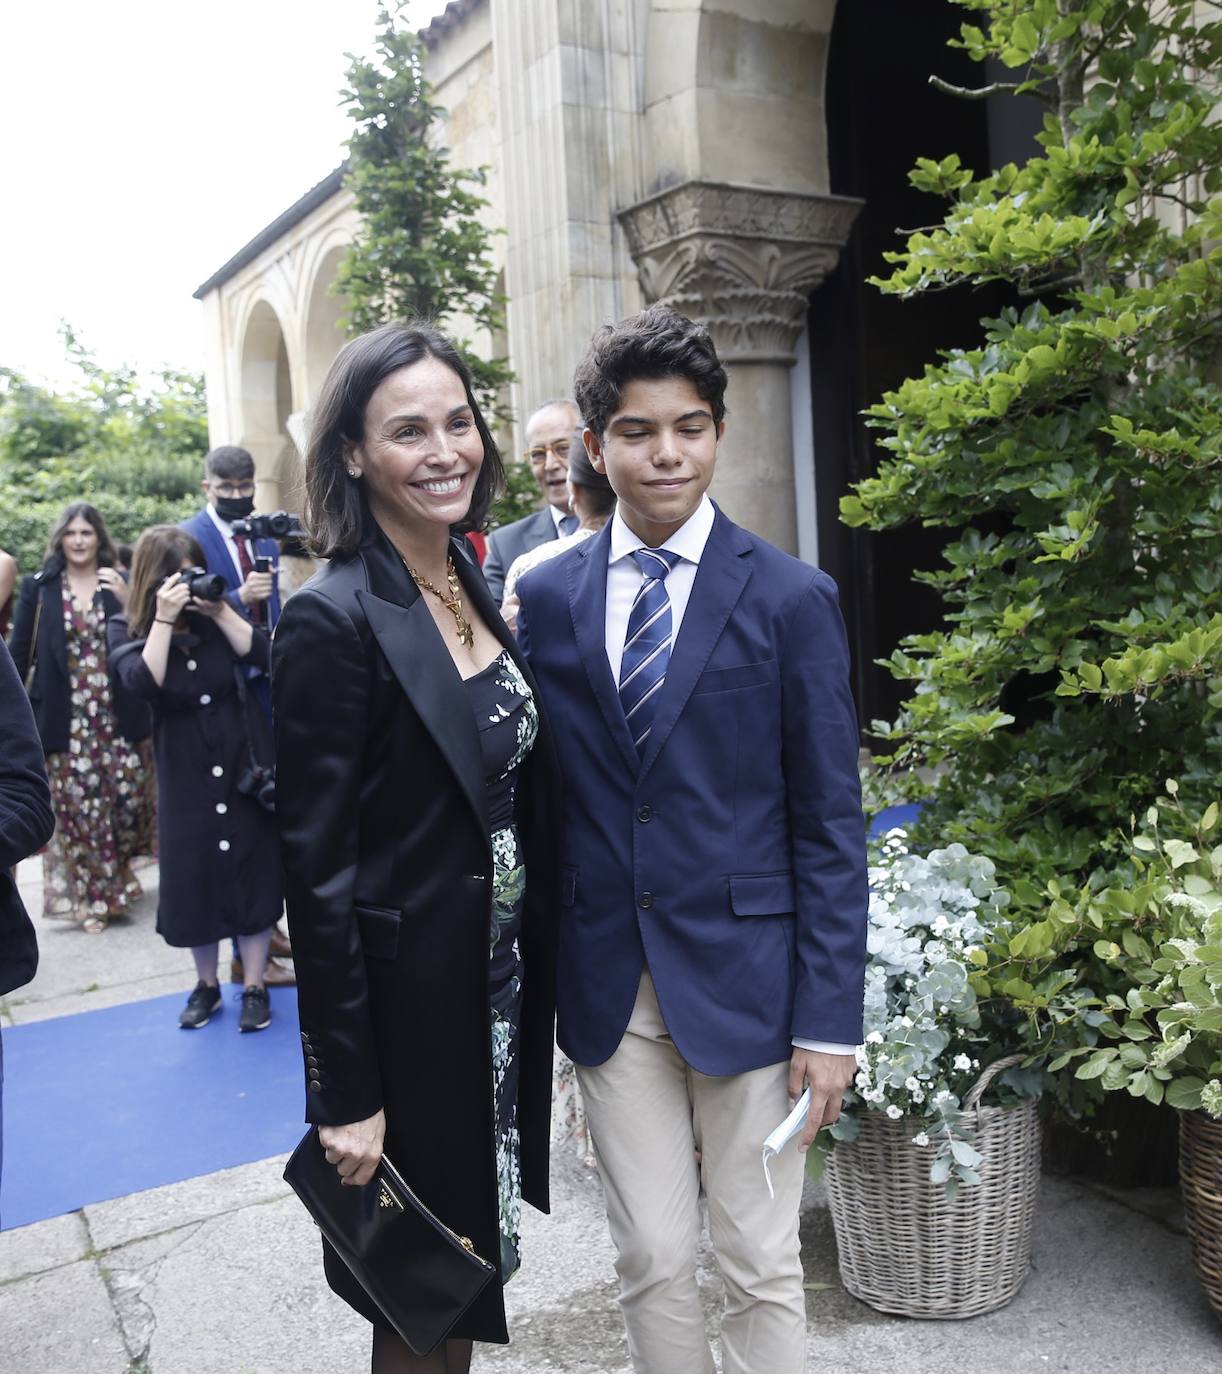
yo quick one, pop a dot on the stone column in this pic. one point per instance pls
(744, 261)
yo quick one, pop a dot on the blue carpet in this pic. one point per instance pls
(111, 1102)
(893, 816)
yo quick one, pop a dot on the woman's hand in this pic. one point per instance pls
(112, 580)
(356, 1149)
(172, 598)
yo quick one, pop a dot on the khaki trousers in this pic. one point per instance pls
(648, 1112)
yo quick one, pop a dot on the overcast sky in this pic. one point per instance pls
(145, 141)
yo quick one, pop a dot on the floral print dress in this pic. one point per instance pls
(104, 807)
(508, 724)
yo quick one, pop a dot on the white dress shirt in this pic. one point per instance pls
(623, 583)
(558, 515)
(231, 543)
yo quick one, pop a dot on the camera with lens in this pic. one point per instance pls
(259, 784)
(279, 524)
(203, 585)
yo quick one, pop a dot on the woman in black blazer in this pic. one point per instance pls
(96, 747)
(416, 797)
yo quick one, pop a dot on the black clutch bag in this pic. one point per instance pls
(421, 1275)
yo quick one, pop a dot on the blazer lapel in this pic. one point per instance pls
(588, 608)
(216, 551)
(407, 635)
(723, 573)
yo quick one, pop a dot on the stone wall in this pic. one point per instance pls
(637, 150)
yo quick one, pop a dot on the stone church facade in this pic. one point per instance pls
(744, 160)
(638, 150)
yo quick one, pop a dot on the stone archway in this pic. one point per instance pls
(740, 228)
(266, 398)
(323, 312)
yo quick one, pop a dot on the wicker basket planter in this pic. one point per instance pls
(1201, 1183)
(904, 1246)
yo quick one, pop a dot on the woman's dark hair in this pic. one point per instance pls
(658, 342)
(160, 551)
(598, 491)
(53, 559)
(336, 512)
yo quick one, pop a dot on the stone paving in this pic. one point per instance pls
(221, 1275)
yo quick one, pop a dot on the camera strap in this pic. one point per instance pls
(239, 678)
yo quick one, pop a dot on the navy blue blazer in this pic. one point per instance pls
(730, 859)
(216, 556)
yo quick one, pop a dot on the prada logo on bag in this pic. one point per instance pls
(386, 1198)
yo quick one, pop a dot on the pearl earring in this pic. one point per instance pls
(352, 472)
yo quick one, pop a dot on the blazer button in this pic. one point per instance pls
(645, 901)
(315, 1075)
(305, 1037)
(644, 813)
(316, 1087)
(311, 1061)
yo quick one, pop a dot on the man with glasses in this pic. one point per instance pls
(229, 485)
(549, 432)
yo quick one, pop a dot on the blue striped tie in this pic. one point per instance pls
(647, 644)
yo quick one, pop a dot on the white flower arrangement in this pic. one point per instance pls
(930, 917)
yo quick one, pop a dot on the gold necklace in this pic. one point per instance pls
(452, 603)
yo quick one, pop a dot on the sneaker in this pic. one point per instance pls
(256, 1009)
(200, 1006)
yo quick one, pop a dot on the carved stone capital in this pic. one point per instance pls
(740, 259)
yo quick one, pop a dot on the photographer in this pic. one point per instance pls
(250, 567)
(247, 565)
(184, 649)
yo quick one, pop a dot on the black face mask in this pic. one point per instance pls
(234, 507)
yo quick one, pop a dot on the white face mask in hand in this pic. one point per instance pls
(784, 1133)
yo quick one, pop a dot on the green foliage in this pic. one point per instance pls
(133, 449)
(422, 249)
(1158, 947)
(1122, 982)
(1075, 453)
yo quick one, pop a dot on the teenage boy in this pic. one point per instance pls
(712, 951)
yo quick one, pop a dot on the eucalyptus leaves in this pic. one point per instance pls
(930, 919)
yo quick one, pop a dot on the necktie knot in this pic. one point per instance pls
(568, 524)
(654, 563)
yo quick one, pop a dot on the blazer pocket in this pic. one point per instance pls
(739, 676)
(761, 894)
(379, 930)
(568, 887)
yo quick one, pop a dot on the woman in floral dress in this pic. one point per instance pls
(96, 749)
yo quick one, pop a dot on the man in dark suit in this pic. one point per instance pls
(26, 823)
(548, 434)
(229, 486)
(713, 922)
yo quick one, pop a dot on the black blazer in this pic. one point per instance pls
(388, 879)
(51, 690)
(508, 542)
(26, 822)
